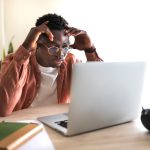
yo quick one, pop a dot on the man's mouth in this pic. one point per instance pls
(58, 61)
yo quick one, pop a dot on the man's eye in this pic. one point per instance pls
(54, 49)
(66, 45)
(66, 48)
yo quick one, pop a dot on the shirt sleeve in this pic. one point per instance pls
(10, 74)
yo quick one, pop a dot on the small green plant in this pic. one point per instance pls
(3, 54)
(10, 46)
(3, 57)
(10, 50)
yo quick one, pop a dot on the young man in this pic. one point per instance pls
(39, 72)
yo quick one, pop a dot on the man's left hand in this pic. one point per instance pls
(82, 40)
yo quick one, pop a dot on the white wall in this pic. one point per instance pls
(120, 29)
(20, 16)
(2, 27)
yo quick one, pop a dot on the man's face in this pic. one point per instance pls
(52, 53)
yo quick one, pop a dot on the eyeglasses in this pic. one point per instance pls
(53, 50)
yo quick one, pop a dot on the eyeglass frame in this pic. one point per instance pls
(57, 50)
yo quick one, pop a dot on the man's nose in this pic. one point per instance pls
(60, 54)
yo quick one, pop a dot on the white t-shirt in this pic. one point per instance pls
(47, 93)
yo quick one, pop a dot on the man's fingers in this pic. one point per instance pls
(66, 26)
(49, 33)
(43, 28)
(74, 31)
(46, 22)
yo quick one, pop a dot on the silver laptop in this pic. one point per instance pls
(102, 95)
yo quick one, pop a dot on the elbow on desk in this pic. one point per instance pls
(4, 113)
(5, 109)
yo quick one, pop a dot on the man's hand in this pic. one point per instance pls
(30, 42)
(82, 40)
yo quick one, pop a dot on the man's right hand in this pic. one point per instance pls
(30, 42)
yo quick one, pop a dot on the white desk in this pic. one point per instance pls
(129, 136)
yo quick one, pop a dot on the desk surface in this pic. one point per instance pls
(127, 136)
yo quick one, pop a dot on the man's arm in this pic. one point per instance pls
(92, 55)
(10, 75)
(14, 70)
(83, 43)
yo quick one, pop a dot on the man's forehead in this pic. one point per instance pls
(59, 37)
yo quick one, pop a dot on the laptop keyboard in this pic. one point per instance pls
(63, 123)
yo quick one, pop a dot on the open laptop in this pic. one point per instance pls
(103, 94)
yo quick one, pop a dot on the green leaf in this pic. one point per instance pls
(3, 54)
(10, 48)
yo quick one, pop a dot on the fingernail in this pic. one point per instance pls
(51, 39)
(66, 31)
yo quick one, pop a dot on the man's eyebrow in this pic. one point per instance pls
(53, 42)
(65, 45)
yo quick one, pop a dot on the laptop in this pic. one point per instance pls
(103, 94)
